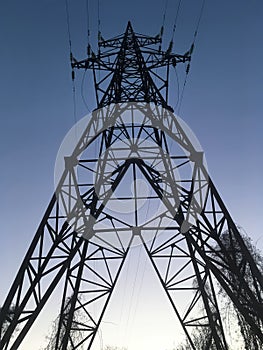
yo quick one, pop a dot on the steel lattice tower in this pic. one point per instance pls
(134, 135)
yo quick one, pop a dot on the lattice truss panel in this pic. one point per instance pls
(135, 171)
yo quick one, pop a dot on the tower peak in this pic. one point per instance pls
(128, 61)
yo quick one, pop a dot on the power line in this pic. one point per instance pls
(82, 91)
(179, 103)
(199, 19)
(68, 25)
(139, 290)
(164, 17)
(133, 288)
(72, 73)
(176, 19)
(88, 21)
(190, 53)
(178, 88)
(99, 32)
(88, 27)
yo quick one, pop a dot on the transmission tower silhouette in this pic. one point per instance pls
(94, 217)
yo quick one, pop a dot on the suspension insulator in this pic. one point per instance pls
(191, 49)
(88, 50)
(161, 32)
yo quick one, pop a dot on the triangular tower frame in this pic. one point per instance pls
(186, 233)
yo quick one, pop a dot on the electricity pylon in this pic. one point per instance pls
(93, 219)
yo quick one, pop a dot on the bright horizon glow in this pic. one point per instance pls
(131, 321)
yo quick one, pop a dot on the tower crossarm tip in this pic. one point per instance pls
(162, 59)
(94, 62)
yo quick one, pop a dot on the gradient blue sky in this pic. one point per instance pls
(222, 101)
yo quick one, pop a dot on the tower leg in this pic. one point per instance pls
(89, 284)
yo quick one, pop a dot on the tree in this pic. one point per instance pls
(201, 335)
(232, 247)
(201, 338)
(8, 319)
(75, 337)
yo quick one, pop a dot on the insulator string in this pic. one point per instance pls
(176, 19)
(88, 27)
(72, 73)
(190, 53)
(164, 16)
(68, 26)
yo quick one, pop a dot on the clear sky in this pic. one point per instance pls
(222, 104)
